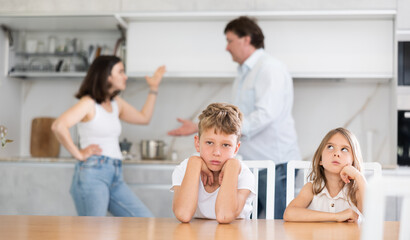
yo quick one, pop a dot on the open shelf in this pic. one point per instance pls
(47, 74)
(59, 23)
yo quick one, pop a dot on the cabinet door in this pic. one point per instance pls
(36, 189)
(184, 46)
(403, 16)
(310, 48)
(152, 183)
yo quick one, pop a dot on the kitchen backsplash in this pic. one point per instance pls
(319, 105)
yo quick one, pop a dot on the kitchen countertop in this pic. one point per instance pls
(387, 170)
(72, 160)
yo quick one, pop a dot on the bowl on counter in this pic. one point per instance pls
(152, 149)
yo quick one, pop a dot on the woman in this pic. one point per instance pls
(98, 183)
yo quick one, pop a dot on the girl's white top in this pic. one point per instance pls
(104, 130)
(325, 203)
(206, 201)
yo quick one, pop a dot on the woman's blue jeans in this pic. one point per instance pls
(98, 186)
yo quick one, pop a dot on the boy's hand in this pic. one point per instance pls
(206, 175)
(347, 215)
(229, 163)
(348, 172)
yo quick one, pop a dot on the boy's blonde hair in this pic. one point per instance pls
(225, 118)
(317, 176)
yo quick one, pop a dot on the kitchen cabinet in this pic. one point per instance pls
(42, 188)
(403, 17)
(152, 184)
(57, 46)
(36, 188)
(402, 89)
(313, 44)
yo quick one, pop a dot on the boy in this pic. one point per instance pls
(214, 185)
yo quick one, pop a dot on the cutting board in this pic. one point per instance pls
(43, 141)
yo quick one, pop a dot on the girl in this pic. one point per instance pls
(337, 185)
(98, 184)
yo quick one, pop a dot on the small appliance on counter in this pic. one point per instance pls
(152, 149)
(125, 149)
(125, 146)
(404, 63)
(403, 138)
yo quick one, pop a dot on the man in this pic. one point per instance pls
(263, 91)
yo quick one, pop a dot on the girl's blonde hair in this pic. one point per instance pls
(317, 176)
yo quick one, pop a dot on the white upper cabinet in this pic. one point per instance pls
(188, 48)
(338, 44)
(403, 20)
(403, 15)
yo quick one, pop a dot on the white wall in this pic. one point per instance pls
(10, 105)
(361, 107)
(320, 105)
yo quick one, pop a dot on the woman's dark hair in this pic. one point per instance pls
(96, 83)
(245, 26)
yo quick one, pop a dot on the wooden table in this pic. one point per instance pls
(56, 227)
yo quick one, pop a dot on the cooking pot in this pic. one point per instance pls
(152, 149)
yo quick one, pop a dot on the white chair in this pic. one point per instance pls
(375, 167)
(255, 166)
(290, 180)
(374, 206)
(305, 166)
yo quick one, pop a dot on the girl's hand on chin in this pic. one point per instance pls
(348, 173)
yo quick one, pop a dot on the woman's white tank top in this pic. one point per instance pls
(104, 130)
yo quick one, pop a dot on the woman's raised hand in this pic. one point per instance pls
(156, 78)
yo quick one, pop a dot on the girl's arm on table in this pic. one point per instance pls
(72, 116)
(297, 210)
(230, 200)
(186, 196)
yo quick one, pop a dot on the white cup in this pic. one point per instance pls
(51, 44)
(31, 46)
(41, 48)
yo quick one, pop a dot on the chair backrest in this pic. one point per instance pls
(374, 206)
(255, 166)
(305, 166)
(290, 180)
(375, 167)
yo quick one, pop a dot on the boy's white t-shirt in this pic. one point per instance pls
(206, 201)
